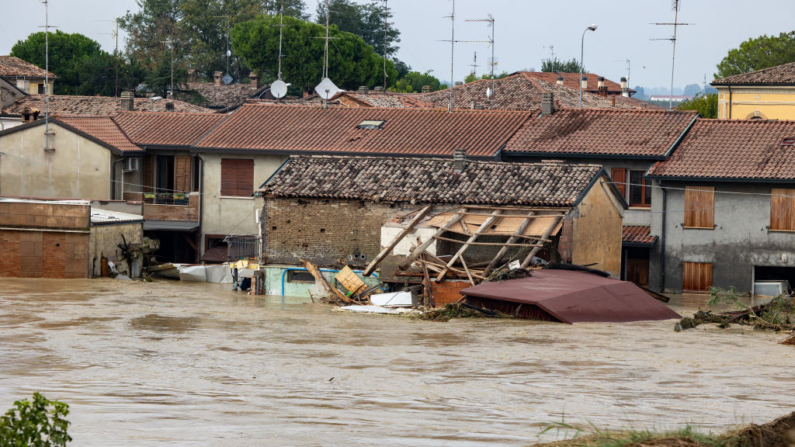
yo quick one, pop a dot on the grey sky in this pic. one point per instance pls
(524, 29)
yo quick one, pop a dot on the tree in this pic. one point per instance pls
(555, 65)
(366, 21)
(692, 89)
(157, 21)
(471, 77)
(640, 92)
(39, 423)
(352, 63)
(414, 81)
(97, 75)
(292, 8)
(402, 68)
(66, 53)
(705, 105)
(757, 54)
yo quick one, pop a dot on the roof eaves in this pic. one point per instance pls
(682, 136)
(720, 179)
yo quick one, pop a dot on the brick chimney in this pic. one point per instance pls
(602, 87)
(192, 75)
(426, 89)
(584, 82)
(29, 114)
(217, 77)
(459, 160)
(379, 89)
(457, 83)
(169, 106)
(560, 80)
(127, 101)
(547, 104)
(624, 88)
(363, 89)
(254, 77)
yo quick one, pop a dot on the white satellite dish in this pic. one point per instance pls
(227, 79)
(326, 89)
(489, 92)
(279, 89)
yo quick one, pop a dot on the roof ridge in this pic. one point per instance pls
(755, 71)
(391, 109)
(113, 120)
(446, 160)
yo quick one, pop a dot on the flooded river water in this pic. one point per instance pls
(171, 363)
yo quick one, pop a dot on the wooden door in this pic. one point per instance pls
(638, 271)
(696, 277)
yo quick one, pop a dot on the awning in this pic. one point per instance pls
(218, 254)
(637, 236)
(170, 225)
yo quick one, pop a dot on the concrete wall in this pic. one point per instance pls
(232, 215)
(740, 240)
(764, 102)
(104, 242)
(8, 94)
(77, 169)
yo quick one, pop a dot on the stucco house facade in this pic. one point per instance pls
(767, 94)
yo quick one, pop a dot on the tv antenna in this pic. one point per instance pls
(386, 29)
(675, 6)
(326, 89)
(115, 35)
(551, 56)
(228, 53)
(279, 87)
(493, 61)
(475, 65)
(629, 71)
(47, 27)
(452, 55)
(170, 43)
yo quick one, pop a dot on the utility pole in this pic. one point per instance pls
(452, 56)
(171, 44)
(675, 24)
(386, 29)
(47, 74)
(493, 61)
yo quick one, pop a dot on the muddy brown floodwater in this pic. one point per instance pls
(171, 363)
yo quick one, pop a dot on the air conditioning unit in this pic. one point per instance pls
(130, 165)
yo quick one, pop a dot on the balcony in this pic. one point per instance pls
(171, 206)
(181, 199)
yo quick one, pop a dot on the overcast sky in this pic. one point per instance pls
(524, 32)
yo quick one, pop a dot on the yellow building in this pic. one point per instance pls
(25, 76)
(763, 94)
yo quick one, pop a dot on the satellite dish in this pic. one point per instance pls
(227, 79)
(326, 89)
(279, 89)
(228, 53)
(489, 92)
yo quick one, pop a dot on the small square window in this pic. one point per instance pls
(788, 141)
(299, 276)
(371, 124)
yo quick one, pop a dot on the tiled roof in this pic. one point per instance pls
(376, 99)
(638, 235)
(602, 132)
(733, 149)
(95, 105)
(519, 92)
(167, 128)
(224, 96)
(431, 181)
(301, 129)
(11, 66)
(572, 81)
(778, 75)
(102, 128)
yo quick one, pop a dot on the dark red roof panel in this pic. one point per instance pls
(102, 128)
(638, 235)
(572, 80)
(577, 297)
(167, 128)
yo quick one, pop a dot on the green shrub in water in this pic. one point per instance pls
(39, 423)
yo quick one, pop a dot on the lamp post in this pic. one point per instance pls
(582, 53)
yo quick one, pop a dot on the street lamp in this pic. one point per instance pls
(582, 53)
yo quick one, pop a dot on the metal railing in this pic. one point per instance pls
(166, 198)
(242, 247)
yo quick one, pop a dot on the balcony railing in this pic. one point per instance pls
(166, 198)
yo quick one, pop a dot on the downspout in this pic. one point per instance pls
(730, 102)
(201, 202)
(662, 238)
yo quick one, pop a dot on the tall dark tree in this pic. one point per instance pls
(156, 21)
(292, 8)
(555, 65)
(757, 54)
(415, 81)
(365, 20)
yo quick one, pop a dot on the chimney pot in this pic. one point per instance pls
(547, 104)
(254, 77)
(426, 89)
(584, 82)
(624, 87)
(217, 77)
(560, 80)
(127, 101)
(601, 81)
(459, 160)
(363, 90)
(457, 83)
(29, 114)
(379, 89)
(169, 106)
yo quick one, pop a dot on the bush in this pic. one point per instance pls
(39, 423)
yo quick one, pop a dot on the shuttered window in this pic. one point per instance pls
(182, 173)
(782, 210)
(237, 177)
(696, 277)
(700, 207)
(619, 176)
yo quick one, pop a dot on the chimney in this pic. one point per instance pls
(624, 88)
(29, 114)
(473, 105)
(457, 83)
(217, 77)
(379, 89)
(363, 90)
(254, 80)
(584, 82)
(192, 75)
(306, 94)
(602, 88)
(426, 89)
(560, 80)
(459, 160)
(547, 104)
(127, 101)
(169, 106)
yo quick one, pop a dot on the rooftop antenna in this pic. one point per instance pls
(629, 70)
(552, 57)
(279, 87)
(675, 6)
(115, 35)
(705, 83)
(170, 43)
(47, 74)
(228, 52)
(386, 29)
(326, 89)
(452, 55)
(475, 65)
(493, 61)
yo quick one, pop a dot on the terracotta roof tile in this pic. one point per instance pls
(602, 132)
(572, 81)
(95, 105)
(167, 128)
(13, 67)
(224, 96)
(733, 149)
(778, 75)
(102, 128)
(431, 180)
(300, 129)
(638, 235)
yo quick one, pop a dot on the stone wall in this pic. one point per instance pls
(104, 242)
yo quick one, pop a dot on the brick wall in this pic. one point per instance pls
(326, 232)
(44, 216)
(447, 292)
(43, 254)
(185, 213)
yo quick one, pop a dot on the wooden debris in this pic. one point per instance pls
(385, 252)
(350, 281)
(331, 290)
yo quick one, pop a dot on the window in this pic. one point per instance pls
(782, 209)
(41, 89)
(299, 276)
(371, 124)
(696, 277)
(237, 177)
(700, 207)
(788, 142)
(639, 190)
(619, 176)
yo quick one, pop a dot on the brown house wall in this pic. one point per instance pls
(43, 254)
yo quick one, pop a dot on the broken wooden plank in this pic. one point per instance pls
(421, 249)
(487, 244)
(546, 235)
(426, 281)
(512, 240)
(331, 290)
(385, 252)
(495, 215)
(350, 281)
(466, 269)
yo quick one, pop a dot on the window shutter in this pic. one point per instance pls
(237, 177)
(619, 176)
(245, 177)
(782, 209)
(696, 277)
(149, 173)
(182, 173)
(700, 207)
(228, 177)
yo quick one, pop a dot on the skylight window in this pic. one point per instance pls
(788, 141)
(371, 124)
